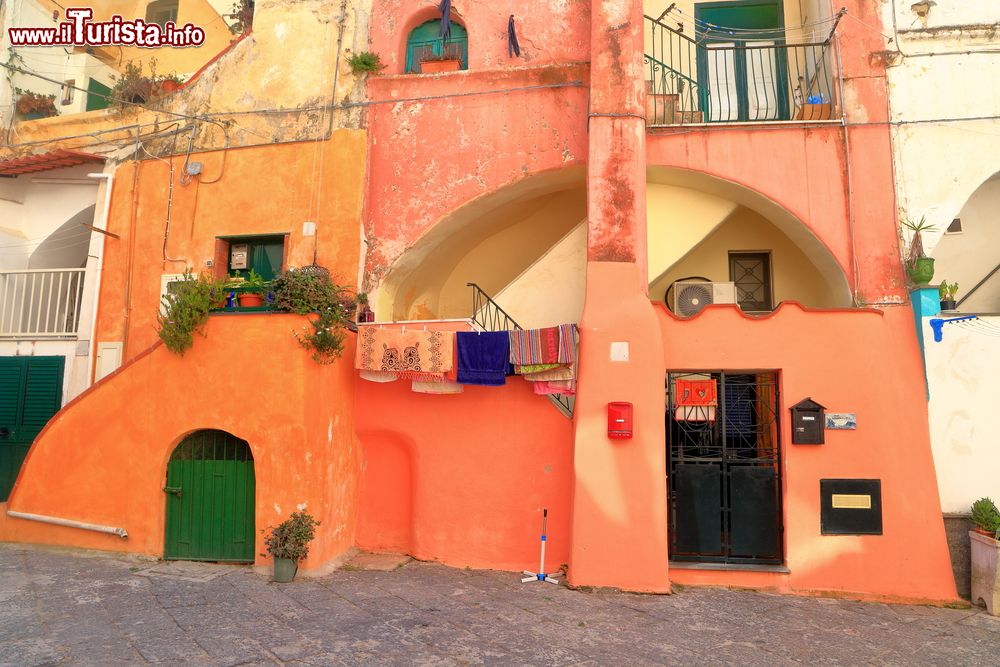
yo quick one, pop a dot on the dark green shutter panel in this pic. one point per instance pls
(30, 393)
(97, 95)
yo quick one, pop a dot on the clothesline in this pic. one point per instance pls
(444, 362)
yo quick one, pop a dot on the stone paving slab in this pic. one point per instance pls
(66, 608)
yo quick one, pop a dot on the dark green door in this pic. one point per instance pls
(30, 393)
(425, 40)
(742, 66)
(210, 499)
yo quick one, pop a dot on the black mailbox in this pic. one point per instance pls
(850, 506)
(808, 422)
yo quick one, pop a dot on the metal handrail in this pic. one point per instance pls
(978, 285)
(487, 314)
(736, 80)
(40, 303)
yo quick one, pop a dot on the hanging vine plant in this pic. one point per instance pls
(185, 310)
(310, 291)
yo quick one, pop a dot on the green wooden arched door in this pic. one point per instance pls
(424, 40)
(210, 499)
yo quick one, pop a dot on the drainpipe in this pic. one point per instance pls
(69, 523)
(101, 224)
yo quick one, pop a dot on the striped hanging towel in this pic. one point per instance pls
(551, 345)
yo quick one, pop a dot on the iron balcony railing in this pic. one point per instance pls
(40, 303)
(456, 48)
(489, 316)
(716, 79)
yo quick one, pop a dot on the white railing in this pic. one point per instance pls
(43, 303)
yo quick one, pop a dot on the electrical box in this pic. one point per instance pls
(239, 256)
(619, 420)
(808, 423)
(850, 506)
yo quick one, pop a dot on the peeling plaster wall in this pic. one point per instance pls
(429, 157)
(550, 32)
(963, 376)
(948, 72)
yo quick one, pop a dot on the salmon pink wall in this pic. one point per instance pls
(272, 189)
(547, 32)
(810, 182)
(430, 155)
(861, 361)
(463, 479)
(103, 458)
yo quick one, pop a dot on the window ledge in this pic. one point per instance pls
(729, 567)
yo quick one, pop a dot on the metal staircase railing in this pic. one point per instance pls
(487, 314)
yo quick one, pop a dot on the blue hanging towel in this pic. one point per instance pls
(445, 9)
(483, 358)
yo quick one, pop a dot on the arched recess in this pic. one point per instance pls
(428, 15)
(967, 250)
(210, 499)
(696, 224)
(67, 247)
(490, 241)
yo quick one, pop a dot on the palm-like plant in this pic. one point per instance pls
(917, 242)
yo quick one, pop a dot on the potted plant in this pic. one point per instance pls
(254, 287)
(985, 554)
(947, 293)
(33, 106)
(436, 63)
(919, 266)
(288, 543)
(169, 83)
(310, 291)
(365, 313)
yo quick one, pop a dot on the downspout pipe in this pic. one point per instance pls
(102, 224)
(69, 523)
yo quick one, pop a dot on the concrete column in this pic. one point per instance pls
(619, 503)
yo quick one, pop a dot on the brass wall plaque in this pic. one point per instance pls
(854, 501)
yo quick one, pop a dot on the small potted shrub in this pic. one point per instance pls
(365, 313)
(32, 106)
(310, 291)
(985, 554)
(948, 292)
(919, 266)
(288, 543)
(254, 286)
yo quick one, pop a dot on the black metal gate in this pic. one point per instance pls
(723, 449)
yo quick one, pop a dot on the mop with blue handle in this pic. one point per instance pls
(540, 575)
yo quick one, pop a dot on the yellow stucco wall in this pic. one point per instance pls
(676, 219)
(793, 275)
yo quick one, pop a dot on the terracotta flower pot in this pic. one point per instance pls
(168, 86)
(251, 300)
(435, 66)
(985, 574)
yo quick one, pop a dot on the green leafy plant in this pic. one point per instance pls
(947, 291)
(254, 283)
(986, 516)
(290, 539)
(917, 242)
(366, 61)
(185, 310)
(309, 291)
(133, 87)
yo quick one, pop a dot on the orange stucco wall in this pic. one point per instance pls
(103, 458)
(261, 190)
(864, 362)
(463, 479)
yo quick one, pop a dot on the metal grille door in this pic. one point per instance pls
(724, 467)
(210, 499)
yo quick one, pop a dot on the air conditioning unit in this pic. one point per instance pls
(691, 297)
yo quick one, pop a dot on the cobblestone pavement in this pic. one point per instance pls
(62, 608)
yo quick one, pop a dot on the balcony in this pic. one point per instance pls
(40, 304)
(743, 79)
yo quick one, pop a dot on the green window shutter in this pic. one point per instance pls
(11, 380)
(42, 394)
(30, 393)
(97, 94)
(425, 39)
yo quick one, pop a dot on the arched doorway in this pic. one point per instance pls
(210, 499)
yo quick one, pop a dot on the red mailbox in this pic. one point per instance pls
(619, 420)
